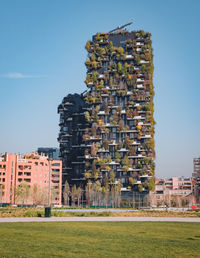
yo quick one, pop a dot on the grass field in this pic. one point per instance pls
(100, 239)
(35, 212)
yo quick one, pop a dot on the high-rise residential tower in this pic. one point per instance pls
(118, 125)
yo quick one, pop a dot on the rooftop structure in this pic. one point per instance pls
(52, 153)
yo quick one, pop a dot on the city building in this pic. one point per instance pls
(52, 153)
(72, 147)
(196, 165)
(25, 179)
(196, 177)
(175, 191)
(113, 138)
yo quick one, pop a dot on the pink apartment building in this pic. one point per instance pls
(175, 189)
(25, 179)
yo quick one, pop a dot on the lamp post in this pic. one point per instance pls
(48, 209)
(49, 199)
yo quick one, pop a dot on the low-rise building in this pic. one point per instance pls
(175, 191)
(25, 179)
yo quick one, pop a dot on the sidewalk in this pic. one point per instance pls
(96, 219)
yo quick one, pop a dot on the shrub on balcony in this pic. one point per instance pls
(131, 181)
(139, 166)
(87, 175)
(140, 188)
(151, 184)
(119, 68)
(118, 157)
(106, 144)
(87, 46)
(125, 160)
(137, 60)
(112, 176)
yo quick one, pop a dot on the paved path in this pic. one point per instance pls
(68, 219)
(95, 210)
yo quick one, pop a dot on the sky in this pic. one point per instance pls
(42, 59)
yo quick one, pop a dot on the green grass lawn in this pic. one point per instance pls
(100, 239)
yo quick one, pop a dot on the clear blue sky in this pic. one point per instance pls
(42, 59)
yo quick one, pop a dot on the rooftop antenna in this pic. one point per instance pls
(119, 28)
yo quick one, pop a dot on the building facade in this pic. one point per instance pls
(51, 153)
(115, 138)
(196, 166)
(25, 179)
(175, 191)
(196, 177)
(72, 127)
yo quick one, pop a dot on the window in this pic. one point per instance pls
(56, 164)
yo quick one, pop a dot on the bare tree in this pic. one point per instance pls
(89, 193)
(118, 194)
(73, 194)
(22, 192)
(98, 190)
(66, 193)
(2, 187)
(78, 194)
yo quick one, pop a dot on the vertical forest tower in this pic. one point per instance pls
(113, 140)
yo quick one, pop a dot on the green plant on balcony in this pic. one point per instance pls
(128, 142)
(87, 174)
(107, 168)
(118, 157)
(119, 68)
(119, 109)
(94, 76)
(97, 36)
(120, 145)
(137, 60)
(108, 160)
(131, 181)
(140, 188)
(87, 116)
(93, 57)
(120, 50)
(151, 184)
(139, 166)
(112, 176)
(126, 160)
(100, 51)
(143, 67)
(125, 168)
(110, 48)
(132, 151)
(106, 144)
(88, 46)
